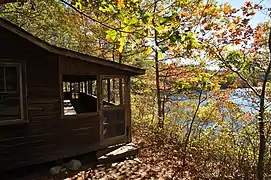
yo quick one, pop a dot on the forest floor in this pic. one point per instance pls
(158, 158)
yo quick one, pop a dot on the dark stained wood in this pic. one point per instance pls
(46, 136)
(127, 95)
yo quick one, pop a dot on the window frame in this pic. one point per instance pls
(19, 66)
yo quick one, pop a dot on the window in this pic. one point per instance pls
(113, 92)
(80, 94)
(11, 101)
(8, 79)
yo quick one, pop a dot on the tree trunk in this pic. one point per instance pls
(191, 127)
(158, 92)
(260, 165)
(157, 75)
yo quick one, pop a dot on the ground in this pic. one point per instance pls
(157, 159)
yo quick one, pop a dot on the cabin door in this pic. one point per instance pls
(113, 112)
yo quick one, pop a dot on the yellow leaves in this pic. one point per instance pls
(227, 8)
(149, 51)
(122, 42)
(111, 34)
(160, 55)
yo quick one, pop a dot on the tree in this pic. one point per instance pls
(244, 60)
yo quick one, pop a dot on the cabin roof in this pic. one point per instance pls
(65, 52)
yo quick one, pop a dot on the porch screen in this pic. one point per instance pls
(10, 95)
(113, 107)
(113, 92)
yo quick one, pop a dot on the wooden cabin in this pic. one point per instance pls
(57, 103)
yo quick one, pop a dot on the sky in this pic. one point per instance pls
(259, 17)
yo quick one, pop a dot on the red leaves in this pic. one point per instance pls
(257, 6)
(204, 21)
(248, 4)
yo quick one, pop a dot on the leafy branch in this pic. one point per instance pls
(97, 21)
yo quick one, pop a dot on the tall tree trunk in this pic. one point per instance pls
(260, 165)
(157, 75)
(158, 92)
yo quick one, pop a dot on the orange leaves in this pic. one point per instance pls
(184, 14)
(120, 3)
(261, 35)
(237, 41)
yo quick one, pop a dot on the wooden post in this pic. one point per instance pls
(100, 87)
(86, 87)
(90, 87)
(60, 76)
(121, 91)
(128, 108)
(108, 90)
(113, 90)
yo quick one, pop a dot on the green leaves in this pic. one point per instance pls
(235, 60)
(106, 8)
(78, 4)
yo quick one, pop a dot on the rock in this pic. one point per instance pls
(74, 165)
(55, 170)
(63, 169)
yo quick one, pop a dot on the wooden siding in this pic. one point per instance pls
(46, 136)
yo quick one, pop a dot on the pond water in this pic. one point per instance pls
(244, 98)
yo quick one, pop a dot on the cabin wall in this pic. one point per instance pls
(47, 136)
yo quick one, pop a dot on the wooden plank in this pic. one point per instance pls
(60, 80)
(128, 150)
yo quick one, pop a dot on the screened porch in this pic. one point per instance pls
(103, 95)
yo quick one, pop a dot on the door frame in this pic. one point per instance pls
(116, 139)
